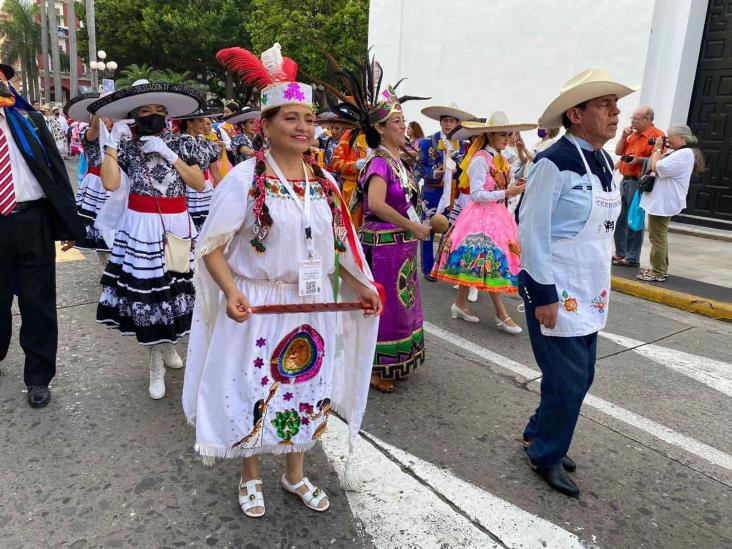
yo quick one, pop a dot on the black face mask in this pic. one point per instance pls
(151, 124)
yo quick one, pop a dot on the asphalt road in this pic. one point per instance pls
(439, 463)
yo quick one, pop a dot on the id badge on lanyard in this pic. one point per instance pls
(310, 271)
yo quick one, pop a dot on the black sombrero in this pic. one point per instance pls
(76, 108)
(200, 113)
(247, 113)
(178, 99)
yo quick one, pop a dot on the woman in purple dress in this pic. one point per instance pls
(391, 231)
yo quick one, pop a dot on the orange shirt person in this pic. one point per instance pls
(634, 147)
(346, 163)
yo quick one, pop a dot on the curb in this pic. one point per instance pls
(724, 236)
(718, 310)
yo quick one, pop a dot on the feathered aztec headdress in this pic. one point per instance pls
(366, 103)
(273, 74)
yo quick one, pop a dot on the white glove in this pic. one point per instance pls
(360, 163)
(112, 138)
(153, 144)
(450, 164)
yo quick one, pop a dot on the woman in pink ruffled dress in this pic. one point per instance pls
(482, 249)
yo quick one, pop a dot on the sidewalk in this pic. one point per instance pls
(699, 281)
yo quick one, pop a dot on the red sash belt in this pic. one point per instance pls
(96, 170)
(206, 174)
(151, 204)
(465, 190)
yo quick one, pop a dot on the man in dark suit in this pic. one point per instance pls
(36, 208)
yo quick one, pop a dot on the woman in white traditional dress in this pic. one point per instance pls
(147, 288)
(277, 233)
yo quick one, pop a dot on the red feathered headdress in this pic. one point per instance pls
(271, 68)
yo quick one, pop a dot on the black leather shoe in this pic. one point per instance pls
(430, 278)
(38, 395)
(567, 462)
(558, 479)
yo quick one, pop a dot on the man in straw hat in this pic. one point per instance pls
(566, 231)
(437, 162)
(36, 208)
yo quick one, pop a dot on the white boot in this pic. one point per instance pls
(157, 373)
(473, 294)
(104, 258)
(171, 358)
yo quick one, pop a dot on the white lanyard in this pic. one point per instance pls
(304, 204)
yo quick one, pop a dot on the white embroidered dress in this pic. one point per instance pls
(268, 384)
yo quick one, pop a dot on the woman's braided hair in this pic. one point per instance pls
(261, 211)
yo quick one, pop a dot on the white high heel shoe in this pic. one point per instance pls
(457, 312)
(473, 294)
(502, 326)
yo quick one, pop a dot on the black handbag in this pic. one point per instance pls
(646, 182)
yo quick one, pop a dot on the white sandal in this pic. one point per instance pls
(502, 326)
(252, 499)
(312, 498)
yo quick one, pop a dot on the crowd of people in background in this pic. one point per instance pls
(204, 213)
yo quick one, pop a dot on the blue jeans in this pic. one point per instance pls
(628, 243)
(568, 368)
(431, 198)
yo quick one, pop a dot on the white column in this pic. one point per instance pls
(673, 55)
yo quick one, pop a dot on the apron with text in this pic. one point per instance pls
(581, 265)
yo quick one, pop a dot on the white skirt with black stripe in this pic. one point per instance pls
(91, 197)
(139, 297)
(199, 203)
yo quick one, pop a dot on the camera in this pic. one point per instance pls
(652, 141)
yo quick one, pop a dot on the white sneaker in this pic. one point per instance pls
(502, 326)
(171, 358)
(157, 373)
(457, 312)
(473, 294)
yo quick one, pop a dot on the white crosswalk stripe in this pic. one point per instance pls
(712, 373)
(398, 510)
(661, 432)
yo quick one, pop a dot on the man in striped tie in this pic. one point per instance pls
(36, 208)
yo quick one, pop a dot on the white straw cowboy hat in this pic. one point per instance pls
(586, 85)
(498, 122)
(438, 111)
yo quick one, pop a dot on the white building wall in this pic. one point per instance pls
(489, 55)
(673, 54)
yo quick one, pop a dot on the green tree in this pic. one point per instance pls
(22, 41)
(178, 35)
(129, 74)
(307, 29)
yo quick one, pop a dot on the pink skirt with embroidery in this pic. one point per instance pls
(481, 250)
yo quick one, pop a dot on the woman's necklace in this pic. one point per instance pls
(399, 170)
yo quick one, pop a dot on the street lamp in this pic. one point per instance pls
(109, 66)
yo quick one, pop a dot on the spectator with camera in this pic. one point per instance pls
(634, 147)
(668, 189)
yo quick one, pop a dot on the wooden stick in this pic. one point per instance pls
(308, 308)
